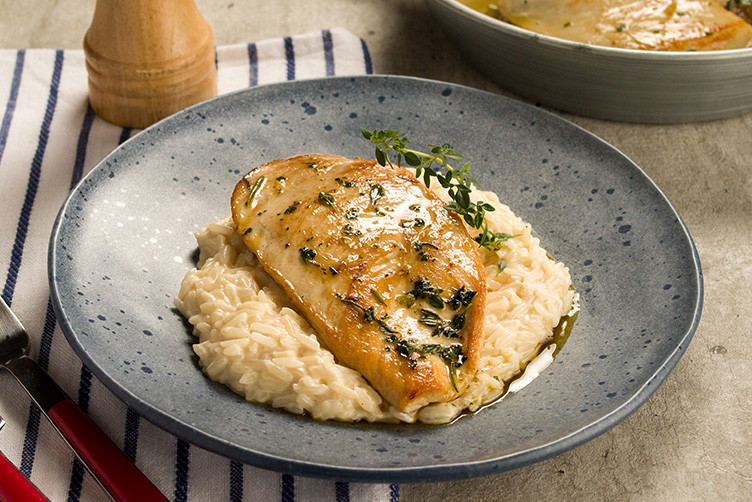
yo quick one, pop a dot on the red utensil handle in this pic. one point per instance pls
(116, 473)
(14, 487)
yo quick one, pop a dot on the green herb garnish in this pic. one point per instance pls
(377, 192)
(420, 248)
(449, 329)
(254, 189)
(369, 315)
(461, 298)
(437, 164)
(316, 166)
(452, 355)
(349, 230)
(501, 266)
(326, 199)
(345, 183)
(430, 318)
(292, 208)
(378, 297)
(424, 289)
(307, 254)
(414, 223)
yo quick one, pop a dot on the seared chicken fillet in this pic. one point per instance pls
(668, 25)
(391, 281)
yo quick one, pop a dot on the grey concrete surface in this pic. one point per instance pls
(692, 440)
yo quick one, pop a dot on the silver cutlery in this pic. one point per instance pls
(117, 475)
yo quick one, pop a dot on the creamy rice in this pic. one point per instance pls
(253, 340)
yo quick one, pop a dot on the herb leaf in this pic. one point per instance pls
(501, 265)
(370, 316)
(307, 254)
(292, 207)
(377, 296)
(345, 183)
(438, 165)
(377, 192)
(326, 199)
(423, 289)
(254, 189)
(461, 298)
(430, 318)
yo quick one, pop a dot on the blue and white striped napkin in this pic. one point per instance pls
(49, 139)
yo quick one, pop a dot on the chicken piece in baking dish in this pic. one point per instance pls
(391, 281)
(742, 8)
(666, 25)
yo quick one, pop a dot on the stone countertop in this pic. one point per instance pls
(692, 440)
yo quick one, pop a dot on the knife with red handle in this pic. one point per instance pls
(109, 466)
(118, 475)
(14, 487)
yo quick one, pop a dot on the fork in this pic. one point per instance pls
(109, 466)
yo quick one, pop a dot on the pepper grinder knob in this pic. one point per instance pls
(148, 59)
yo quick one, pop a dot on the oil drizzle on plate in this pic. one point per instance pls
(535, 366)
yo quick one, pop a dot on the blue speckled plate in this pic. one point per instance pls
(124, 241)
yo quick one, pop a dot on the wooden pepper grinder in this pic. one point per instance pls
(147, 59)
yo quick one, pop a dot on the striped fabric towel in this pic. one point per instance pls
(49, 139)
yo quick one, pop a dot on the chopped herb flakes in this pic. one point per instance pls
(344, 182)
(453, 355)
(378, 297)
(370, 316)
(415, 223)
(376, 193)
(279, 182)
(316, 166)
(449, 329)
(326, 199)
(501, 265)
(423, 289)
(461, 298)
(293, 207)
(430, 318)
(254, 189)
(350, 231)
(307, 254)
(422, 253)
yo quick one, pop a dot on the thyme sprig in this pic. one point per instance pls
(438, 164)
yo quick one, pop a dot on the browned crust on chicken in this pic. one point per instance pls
(360, 248)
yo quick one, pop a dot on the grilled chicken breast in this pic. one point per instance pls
(668, 25)
(391, 281)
